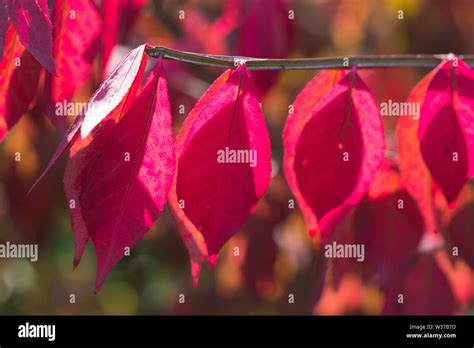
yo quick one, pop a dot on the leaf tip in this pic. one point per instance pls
(195, 270)
(212, 261)
(98, 283)
(51, 67)
(75, 263)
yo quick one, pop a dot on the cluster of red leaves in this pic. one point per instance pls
(124, 164)
(400, 218)
(64, 46)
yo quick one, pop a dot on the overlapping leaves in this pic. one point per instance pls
(123, 164)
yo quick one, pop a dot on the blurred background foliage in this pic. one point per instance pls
(275, 257)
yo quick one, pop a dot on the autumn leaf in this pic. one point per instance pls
(313, 92)
(334, 146)
(18, 86)
(213, 192)
(33, 26)
(118, 17)
(446, 130)
(390, 228)
(113, 95)
(3, 23)
(414, 173)
(76, 30)
(388, 224)
(255, 33)
(117, 87)
(192, 237)
(123, 183)
(423, 290)
(460, 233)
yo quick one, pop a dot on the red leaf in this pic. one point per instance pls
(200, 34)
(313, 92)
(337, 268)
(269, 38)
(18, 86)
(391, 228)
(120, 197)
(261, 249)
(460, 233)
(334, 146)
(446, 130)
(31, 22)
(193, 239)
(3, 23)
(387, 223)
(425, 290)
(77, 26)
(260, 255)
(112, 95)
(83, 149)
(118, 17)
(219, 194)
(414, 174)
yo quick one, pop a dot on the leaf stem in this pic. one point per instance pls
(363, 61)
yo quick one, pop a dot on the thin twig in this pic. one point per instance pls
(368, 61)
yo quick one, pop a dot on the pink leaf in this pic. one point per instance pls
(114, 95)
(446, 129)
(118, 17)
(123, 186)
(193, 239)
(387, 223)
(31, 22)
(217, 193)
(77, 26)
(269, 38)
(18, 85)
(261, 250)
(80, 154)
(425, 290)
(390, 228)
(201, 34)
(333, 149)
(111, 93)
(460, 233)
(414, 174)
(3, 23)
(313, 92)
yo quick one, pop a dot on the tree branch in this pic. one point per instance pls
(367, 61)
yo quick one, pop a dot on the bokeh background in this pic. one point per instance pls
(276, 257)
